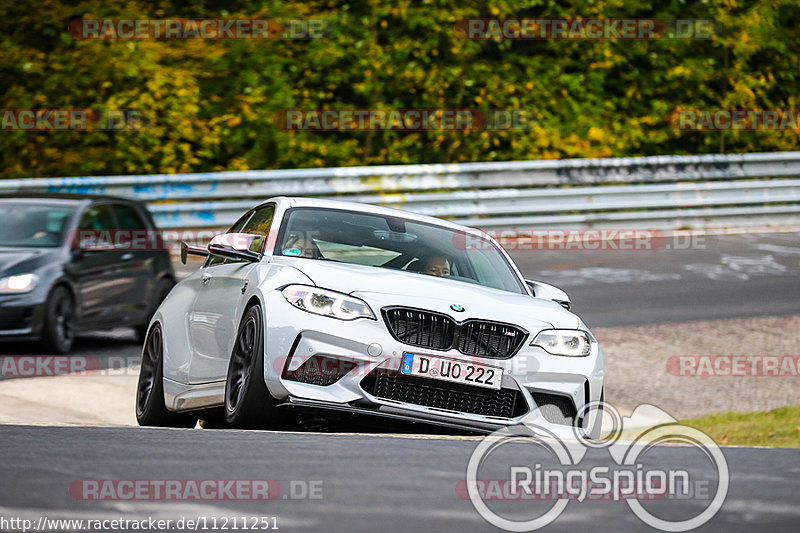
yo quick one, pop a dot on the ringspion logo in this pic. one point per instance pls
(545, 483)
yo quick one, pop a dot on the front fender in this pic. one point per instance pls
(173, 315)
(174, 312)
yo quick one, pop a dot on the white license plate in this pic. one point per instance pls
(446, 369)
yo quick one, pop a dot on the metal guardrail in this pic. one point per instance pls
(656, 192)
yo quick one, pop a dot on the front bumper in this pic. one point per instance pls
(21, 316)
(548, 390)
(394, 413)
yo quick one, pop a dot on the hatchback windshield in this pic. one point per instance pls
(396, 243)
(34, 225)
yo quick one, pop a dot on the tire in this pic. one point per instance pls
(150, 407)
(58, 333)
(161, 291)
(248, 403)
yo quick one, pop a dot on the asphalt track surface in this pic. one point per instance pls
(702, 277)
(402, 483)
(368, 482)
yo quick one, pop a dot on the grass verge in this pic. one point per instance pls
(779, 428)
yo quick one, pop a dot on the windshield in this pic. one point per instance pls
(396, 243)
(34, 225)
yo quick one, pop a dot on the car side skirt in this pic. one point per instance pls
(180, 397)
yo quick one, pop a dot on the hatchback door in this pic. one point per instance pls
(139, 247)
(103, 288)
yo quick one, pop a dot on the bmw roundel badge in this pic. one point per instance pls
(457, 308)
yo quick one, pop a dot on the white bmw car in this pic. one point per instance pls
(344, 307)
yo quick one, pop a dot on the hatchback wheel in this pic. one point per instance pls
(59, 334)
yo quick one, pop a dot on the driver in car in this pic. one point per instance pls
(299, 246)
(436, 265)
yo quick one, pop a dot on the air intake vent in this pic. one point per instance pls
(556, 408)
(391, 385)
(321, 370)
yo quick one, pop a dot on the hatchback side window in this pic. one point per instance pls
(128, 217)
(96, 228)
(97, 218)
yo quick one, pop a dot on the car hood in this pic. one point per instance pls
(384, 286)
(18, 261)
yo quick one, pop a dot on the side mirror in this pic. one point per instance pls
(187, 249)
(235, 246)
(549, 292)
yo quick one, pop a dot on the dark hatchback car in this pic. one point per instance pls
(72, 263)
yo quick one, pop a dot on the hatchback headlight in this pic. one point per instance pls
(327, 303)
(566, 342)
(18, 284)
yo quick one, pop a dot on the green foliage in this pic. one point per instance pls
(211, 104)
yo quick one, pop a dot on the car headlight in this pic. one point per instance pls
(18, 284)
(566, 342)
(327, 303)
